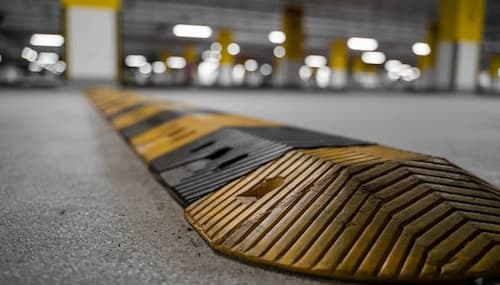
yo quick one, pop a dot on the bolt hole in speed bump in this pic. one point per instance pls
(313, 203)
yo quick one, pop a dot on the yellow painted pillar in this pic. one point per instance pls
(426, 63)
(461, 24)
(287, 72)
(494, 72)
(225, 38)
(92, 43)
(190, 68)
(338, 64)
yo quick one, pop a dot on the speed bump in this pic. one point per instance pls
(313, 203)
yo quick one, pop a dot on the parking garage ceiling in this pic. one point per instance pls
(147, 24)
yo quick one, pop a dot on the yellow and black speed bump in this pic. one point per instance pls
(315, 203)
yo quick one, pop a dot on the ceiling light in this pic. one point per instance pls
(315, 60)
(159, 67)
(276, 37)
(59, 67)
(305, 72)
(421, 49)
(134, 60)
(373, 57)
(251, 65)
(192, 31)
(238, 74)
(392, 65)
(365, 44)
(216, 47)
(176, 62)
(34, 67)
(47, 58)
(279, 51)
(29, 54)
(323, 77)
(266, 69)
(233, 48)
(145, 68)
(47, 40)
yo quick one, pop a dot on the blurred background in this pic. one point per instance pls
(423, 45)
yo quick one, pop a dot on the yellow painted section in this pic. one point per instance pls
(426, 62)
(176, 133)
(494, 66)
(338, 55)
(461, 20)
(293, 29)
(225, 38)
(143, 113)
(190, 54)
(99, 4)
(366, 213)
(447, 19)
(470, 20)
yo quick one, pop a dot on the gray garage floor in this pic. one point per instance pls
(77, 206)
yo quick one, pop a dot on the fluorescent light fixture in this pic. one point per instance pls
(29, 54)
(276, 37)
(47, 40)
(176, 62)
(0, 58)
(159, 67)
(373, 57)
(392, 65)
(47, 58)
(279, 51)
(192, 31)
(421, 49)
(251, 65)
(305, 72)
(266, 69)
(315, 60)
(364, 44)
(135, 60)
(233, 48)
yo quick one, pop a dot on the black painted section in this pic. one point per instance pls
(301, 138)
(205, 165)
(158, 119)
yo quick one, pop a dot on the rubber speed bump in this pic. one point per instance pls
(363, 213)
(314, 203)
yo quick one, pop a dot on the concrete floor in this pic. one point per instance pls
(77, 206)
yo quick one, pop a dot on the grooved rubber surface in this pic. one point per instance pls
(359, 213)
(211, 162)
(301, 138)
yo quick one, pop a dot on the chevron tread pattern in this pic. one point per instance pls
(360, 213)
